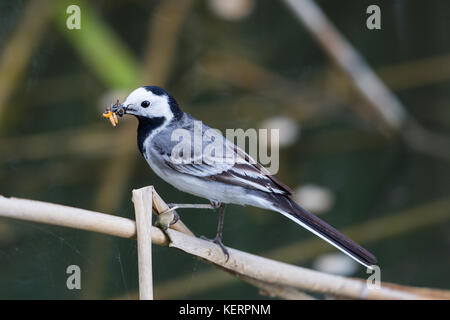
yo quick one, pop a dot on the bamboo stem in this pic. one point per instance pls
(142, 199)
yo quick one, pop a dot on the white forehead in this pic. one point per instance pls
(141, 94)
(159, 104)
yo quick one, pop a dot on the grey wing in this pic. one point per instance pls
(235, 167)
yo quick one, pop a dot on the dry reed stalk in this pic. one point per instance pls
(240, 263)
(142, 199)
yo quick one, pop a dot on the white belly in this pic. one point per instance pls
(210, 190)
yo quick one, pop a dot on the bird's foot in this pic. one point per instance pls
(215, 204)
(217, 240)
(167, 218)
(175, 219)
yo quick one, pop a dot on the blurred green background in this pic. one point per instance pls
(233, 64)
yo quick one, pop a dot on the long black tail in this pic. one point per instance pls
(292, 210)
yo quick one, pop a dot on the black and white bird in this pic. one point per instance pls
(242, 182)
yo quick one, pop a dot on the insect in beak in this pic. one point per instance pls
(112, 112)
(118, 108)
(111, 116)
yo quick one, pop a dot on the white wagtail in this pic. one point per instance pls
(243, 182)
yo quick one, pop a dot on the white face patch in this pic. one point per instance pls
(157, 106)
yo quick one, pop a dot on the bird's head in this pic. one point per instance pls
(149, 102)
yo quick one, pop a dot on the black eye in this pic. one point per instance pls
(145, 104)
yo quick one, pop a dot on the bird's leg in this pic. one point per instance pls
(174, 206)
(170, 217)
(218, 239)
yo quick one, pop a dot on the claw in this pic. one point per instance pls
(215, 204)
(176, 217)
(164, 220)
(167, 218)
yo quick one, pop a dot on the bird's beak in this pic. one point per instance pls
(119, 109)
